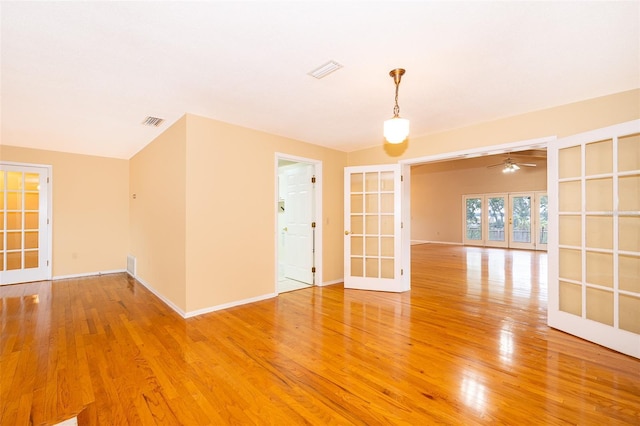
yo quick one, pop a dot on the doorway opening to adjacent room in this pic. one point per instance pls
(298, 225)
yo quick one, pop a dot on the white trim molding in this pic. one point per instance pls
(87, 274)
(229, 305)
(155, 292)
(326, 283)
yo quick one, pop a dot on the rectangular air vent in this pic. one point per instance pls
(324, 70)
(131, 265)
(152, 121)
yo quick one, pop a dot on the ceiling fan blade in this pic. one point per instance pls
(527, 164)
(495, 165)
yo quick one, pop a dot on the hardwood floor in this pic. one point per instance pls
(467, 345)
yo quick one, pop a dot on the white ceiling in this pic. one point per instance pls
(82, 76)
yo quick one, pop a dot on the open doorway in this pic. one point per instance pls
(298, 233)
(441, 184)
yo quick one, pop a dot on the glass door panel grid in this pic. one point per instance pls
(372, 225)
(19, 220)
(599, 231)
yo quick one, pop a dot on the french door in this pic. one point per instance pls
(24, 230)
(517, 220)
(594, 236)
(374, 258)
(496, 208)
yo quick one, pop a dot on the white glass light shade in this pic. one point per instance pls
(396, 129)
(510, 168)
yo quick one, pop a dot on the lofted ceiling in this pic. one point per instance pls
(82, 76)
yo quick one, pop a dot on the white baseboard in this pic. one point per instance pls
(338, 281)
(415, 242)
(87, 274)
(166, 301)
(230, 305)
(69, 422)
(197, 312)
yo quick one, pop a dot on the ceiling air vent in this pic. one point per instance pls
(152, 121)
(324, 70)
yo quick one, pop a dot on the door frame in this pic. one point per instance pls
(48, 210)
(317, 164)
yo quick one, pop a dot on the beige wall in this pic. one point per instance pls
(157, 216)
(559, 121)
(90, 209)
(203, 221)
(231, 212)
(437, 190)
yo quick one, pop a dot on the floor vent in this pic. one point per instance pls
(131, 265)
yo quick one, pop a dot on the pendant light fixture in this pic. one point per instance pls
(396, 129)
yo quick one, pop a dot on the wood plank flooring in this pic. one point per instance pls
(467, 345)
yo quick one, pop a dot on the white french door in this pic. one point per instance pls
(373, 229)
(496, 208)
(521, 221)
(474, 207)
(24, 230)
(594, 236)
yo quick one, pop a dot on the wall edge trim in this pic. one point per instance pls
(87, 274)
(451, 243)
(338, 281)
(229, 305)
(155, 292)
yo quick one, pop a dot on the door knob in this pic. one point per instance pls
(285, 229)
(346, 232)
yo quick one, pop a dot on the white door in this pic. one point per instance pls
(496, 220)
(594, 236)
(24, 233)
(299, 224)
(521, 219)
(473, 206)
(373, 229)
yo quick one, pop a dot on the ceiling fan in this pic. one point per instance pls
(510, 166)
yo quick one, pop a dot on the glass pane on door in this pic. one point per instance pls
(521, 214)
(496, 217)
(473, 229)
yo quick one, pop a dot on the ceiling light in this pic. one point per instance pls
(324, 70)
(396, 129)
(510, 167)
